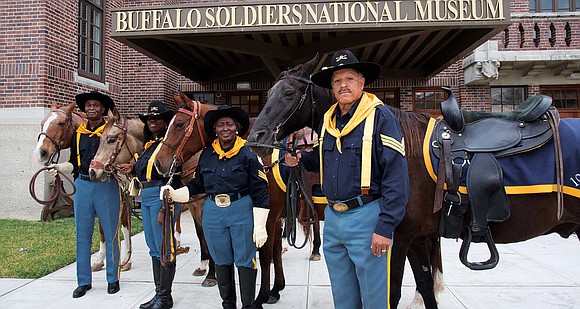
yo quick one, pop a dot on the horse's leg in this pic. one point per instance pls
(265, 261)
(279, 280)
(126, 249)
(398, 258)
(210, 279)
(100, 261)
(315, 256)
(419, 256)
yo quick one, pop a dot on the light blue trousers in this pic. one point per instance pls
(100, 199)
(229, 232)
(358, 278)
(150, 206)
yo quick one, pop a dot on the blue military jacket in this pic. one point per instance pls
(342, 171)
(242, 173)
(87, 148)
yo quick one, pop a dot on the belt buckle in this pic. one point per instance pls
(340, 207)
(222, 200)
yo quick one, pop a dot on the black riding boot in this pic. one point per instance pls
(226, 285)
(247, 286)
(164, 299)
(156, 279)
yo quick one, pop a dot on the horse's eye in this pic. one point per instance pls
(112, 139)
(61, 124)
(289, 93)
(179, 125)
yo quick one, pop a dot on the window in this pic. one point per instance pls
(90, 40)
(389, 96)
(505, 99)
(249, 101)
(544, 6)
(563, 97)
(428, 100)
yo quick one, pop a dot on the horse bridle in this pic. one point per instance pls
(108, 167)
(308, 91)
(58, 144)
(193, 123)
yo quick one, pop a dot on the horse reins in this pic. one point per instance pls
(58, 189)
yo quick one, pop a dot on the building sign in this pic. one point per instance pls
(282, 15)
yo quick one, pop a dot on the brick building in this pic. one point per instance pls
(52, 50)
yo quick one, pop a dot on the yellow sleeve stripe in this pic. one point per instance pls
(262, 175)
(394, 144)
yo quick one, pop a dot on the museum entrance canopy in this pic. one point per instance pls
(254, 41)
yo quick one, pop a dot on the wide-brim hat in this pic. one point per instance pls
(157, 108)
(82, 99)
(236, 113)
(344, 59)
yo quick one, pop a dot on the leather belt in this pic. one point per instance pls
(85, 177)
(152, 183)
(342, 206)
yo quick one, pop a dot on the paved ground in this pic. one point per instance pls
(540, 273)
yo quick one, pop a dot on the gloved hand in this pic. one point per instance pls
(64, 167)
(180, 195)
(260, 233)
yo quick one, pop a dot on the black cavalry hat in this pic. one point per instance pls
(237, 113)
(157, 108)
(344, 59)
(82, 99)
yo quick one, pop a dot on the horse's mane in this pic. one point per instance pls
(297, 71)
(410, 122)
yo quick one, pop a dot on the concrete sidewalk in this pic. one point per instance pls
(539, 273)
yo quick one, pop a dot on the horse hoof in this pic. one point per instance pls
(127, 266)
(199, 272)
(315, 257)
(97, 266)
(209, 283)
(272, 300)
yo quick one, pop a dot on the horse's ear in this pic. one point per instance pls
(71, 107)
(177, 99)
(184, 98)
(54, 105)
(309, 66)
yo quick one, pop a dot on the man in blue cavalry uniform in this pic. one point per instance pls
(236, 210)
(363, 171)
(149, 182)
(92, 199)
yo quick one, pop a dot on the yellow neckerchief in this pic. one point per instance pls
(151, 142)
(82, 129)
(366, 106)
(232, 152)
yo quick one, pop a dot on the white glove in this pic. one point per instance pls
(64, 167)
(180, 195)
(260, 233)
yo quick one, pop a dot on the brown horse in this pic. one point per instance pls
(185, 137)
(121, 139)
(532, 215)
(58, 128)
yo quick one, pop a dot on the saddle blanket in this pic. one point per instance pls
(529, 172)
(281, 173)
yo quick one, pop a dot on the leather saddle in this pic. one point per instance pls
(469, 143)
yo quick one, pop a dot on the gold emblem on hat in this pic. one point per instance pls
(340, 207)
(222, 200)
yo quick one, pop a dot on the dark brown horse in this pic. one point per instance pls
(185, 137)
(532, 214)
